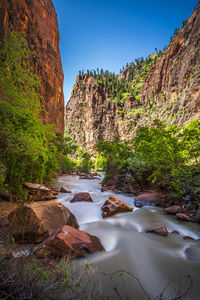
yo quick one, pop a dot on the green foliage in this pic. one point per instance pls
(83, 160)
(169, 155)
(25, 144)
(116, 153)
(29, 150)
(127, 83)
(100, 161)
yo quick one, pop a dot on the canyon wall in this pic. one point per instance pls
(38, 20)
(170, 92)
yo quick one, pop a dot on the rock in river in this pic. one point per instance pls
(64, 190)
(161, 230)
(147, 199)
(172, 209)
(68, 242)
(32, 223)
(115, 205)
(82, 197)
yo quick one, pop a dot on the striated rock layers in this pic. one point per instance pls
(170, 92)
(38, 19)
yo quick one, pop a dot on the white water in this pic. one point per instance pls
(154, 260)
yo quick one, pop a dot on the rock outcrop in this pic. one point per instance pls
(68, 242)
(171, 92)
(32, 223)
(90, 117)
(38, 20)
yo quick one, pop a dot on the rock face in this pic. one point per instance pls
(68, 242)
(32, 223)
(90, 117)
(170, 92)
(39, 21)
(175, 78)
(115, 205)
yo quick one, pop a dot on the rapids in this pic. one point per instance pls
(154, 260)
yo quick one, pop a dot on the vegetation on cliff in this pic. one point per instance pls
(29, 150)
(165, 157)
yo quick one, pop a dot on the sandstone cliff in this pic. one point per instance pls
(38, 19)
(170, 91)
(90, 117)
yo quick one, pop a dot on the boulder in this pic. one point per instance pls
(32, 223)
(68, 242)
(172, 209)
(38, 192)
(183, 217)
(115, 205)
(161, 230)
(147, 199)
(64, 190)
(82, 197)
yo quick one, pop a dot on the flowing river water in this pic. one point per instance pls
(155, 261)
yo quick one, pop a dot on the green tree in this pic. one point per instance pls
(26, 149)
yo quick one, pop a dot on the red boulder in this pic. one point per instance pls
(82, 197)
(184, 217)
(161, 230)
(68, 242)
(115, 205)
(147, 199)
(172, 209)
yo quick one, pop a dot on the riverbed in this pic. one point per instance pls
(155, 261)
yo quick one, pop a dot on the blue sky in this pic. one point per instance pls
(109, 33)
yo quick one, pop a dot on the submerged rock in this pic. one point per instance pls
(115, 205)
(161, 230)
(32, 223)
(147, 199)
(68, 242)
(82, 197)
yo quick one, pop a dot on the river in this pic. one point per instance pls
(154, 260)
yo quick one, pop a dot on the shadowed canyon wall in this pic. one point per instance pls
(38, 19)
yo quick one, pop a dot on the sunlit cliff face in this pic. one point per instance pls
(39, 22)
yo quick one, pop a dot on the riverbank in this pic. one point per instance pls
(129, 248)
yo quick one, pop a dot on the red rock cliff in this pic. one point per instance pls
(39, 20)
(171, 92)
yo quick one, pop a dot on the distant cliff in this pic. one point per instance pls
(165, 86)
(38, 19)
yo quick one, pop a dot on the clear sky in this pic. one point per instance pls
(109, 33)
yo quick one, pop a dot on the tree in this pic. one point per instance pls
(26, 149)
